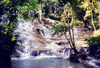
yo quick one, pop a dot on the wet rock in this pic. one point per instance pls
(97, 63)
(16, 54)
(21, 48)
(89, 58)
(38, 52)
(78, 57)
(82, 56)
(74, 58)
(85, 63)
(34, 53)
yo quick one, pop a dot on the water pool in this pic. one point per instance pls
(45, 63)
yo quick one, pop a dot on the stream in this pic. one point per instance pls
(45, 63)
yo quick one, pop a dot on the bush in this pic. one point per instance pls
(59, 28)
(94, 44)
(7, 44)
(77, 22)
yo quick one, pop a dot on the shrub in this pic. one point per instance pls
(76, 22)
(94, 44)
(7, 44)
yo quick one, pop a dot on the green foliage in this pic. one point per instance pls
(89, 7)
(94, 44)
(60, 28)
(7, 45)
(68, 13)
(28, 7)
(96, 33)
(91, 11)
(76, 22)
(13, 9)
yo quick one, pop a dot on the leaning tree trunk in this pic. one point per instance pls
(93, 22)
(73, 41)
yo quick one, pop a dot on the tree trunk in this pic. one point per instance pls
(40, 12)
(93, 22)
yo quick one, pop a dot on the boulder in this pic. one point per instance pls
(34, 53)
(16, 54)
(74, 58)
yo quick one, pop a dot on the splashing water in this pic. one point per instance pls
(46, 33)
(29, 40)
(27, 37)
(59, 51)
(92, 62)
(75, 33)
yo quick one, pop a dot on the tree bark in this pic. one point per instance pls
(93, 22)
(40, 12)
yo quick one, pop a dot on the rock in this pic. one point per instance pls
(85, 63)
(34, 53)
(97, 63)
(21, 48)
(78, 57)
(82, 56)
(74, 58)
(16, 54)
(89, 58)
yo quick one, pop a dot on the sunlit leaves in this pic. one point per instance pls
(87, 14)
(96, 33)
(67, 14)
(85, 4)
(6, 1)
(94, 38)
(89, 7)
(13, 37)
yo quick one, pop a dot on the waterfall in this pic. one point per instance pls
(27, 38)
(33, 40)
(75, 33)
(66, 53)
(59, 51)
(45, 32)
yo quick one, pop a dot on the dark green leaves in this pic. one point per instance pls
(60, 28)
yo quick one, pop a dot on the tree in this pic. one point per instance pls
(47, 8)
(12, 9)
(94, 44)
(15, 8)
(90, 6)
(66, 28)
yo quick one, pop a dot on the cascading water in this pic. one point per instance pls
(46, 31)
(66, 53)
(30, 34)
(75, 33)
(27, 38)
